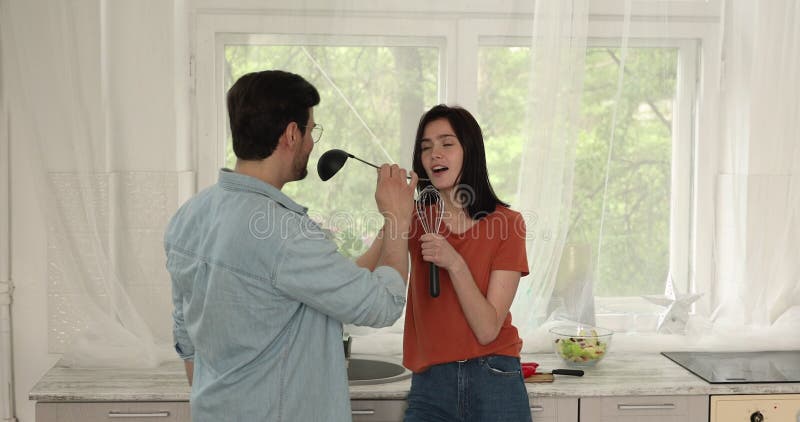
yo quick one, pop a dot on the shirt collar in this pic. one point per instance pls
(230, 180)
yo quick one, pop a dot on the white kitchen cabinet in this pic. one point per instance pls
(363, 411)
(550, 409)
(542, 410)
(644, 409)
(113, 412)
(378, 410)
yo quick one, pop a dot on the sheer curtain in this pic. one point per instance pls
(755, 289)
(558, 49)
(758, 186)
(107, 290)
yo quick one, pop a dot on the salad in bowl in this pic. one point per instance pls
(581, 345)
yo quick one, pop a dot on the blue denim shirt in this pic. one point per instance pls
(260, 295)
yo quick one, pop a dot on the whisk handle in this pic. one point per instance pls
(434, 280)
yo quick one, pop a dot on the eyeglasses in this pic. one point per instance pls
(316, 132)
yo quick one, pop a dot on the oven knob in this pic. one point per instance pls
(757, 417)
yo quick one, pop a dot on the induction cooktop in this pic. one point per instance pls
(740, 367)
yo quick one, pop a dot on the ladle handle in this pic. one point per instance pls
(434, 280)
(365, 162)
(373, 165)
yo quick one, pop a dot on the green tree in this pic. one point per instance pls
(372, 98)
(635, 242)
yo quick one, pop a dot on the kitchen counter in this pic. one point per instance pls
(618, 375)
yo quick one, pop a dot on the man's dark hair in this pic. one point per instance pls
(482, 200)
(261, 105)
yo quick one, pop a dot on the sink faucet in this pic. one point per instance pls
(347, 341)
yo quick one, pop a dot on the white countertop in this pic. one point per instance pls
(617, 375)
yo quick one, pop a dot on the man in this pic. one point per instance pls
(259, 292)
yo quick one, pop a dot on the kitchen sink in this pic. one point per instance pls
(375, 370)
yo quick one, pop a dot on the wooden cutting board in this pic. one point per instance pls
(540, 378)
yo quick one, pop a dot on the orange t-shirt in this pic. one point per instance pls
(436, 330)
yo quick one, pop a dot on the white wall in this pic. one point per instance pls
(139, 77)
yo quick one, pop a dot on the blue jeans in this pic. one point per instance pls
(484, 389)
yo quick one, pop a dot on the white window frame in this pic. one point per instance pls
(693, 26)
(225, 40)
(215, 31)
(694, 149)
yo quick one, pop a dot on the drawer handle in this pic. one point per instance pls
(113, 414)
(363, 412)
(537, 408)
(645, 406)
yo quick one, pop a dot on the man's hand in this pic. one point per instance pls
(394, 195)
(395, 198)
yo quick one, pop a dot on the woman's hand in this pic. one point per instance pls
(438, 250)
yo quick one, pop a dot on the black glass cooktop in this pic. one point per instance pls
(740, 367)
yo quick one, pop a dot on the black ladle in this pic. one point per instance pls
(333, 160)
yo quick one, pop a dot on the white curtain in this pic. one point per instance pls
(759, 185)
(107, 290)
(755, 294)
(559, 35)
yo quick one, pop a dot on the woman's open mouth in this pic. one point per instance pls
(438, 170)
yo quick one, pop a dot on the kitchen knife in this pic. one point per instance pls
(548, 375)
(573, 372)
(530, 368)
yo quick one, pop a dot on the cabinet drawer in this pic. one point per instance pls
(645, 409)
(113, 412)
(554, 410)
(378, 410)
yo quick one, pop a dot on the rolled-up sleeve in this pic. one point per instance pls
(183, 345)
(312, 271)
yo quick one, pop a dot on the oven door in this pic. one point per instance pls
(756, 408)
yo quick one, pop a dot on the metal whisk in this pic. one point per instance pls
(430, 209)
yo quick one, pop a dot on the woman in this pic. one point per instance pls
(461, 345)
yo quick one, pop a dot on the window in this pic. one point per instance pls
(377, 74)
(636, 234)
(372, 97)
(635, 201)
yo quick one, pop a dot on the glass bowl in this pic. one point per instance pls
(581, 346)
